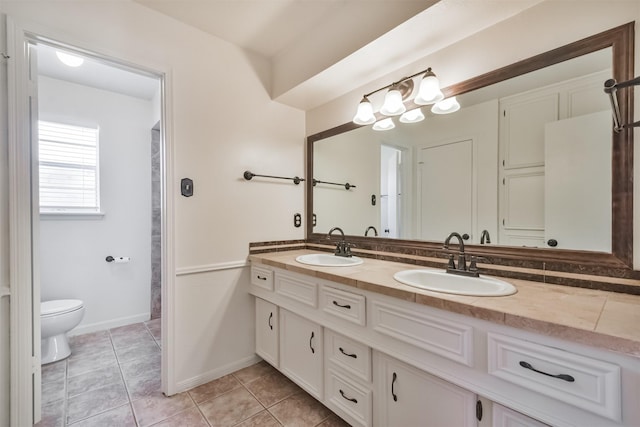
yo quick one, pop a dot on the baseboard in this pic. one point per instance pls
(108, 324)
(216, 373)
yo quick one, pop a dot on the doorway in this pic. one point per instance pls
(392, 182)
(67, 194)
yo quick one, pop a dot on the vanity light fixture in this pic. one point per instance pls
(412, 116)
(69, 60)
(364, 115)
(446, 106)
(393, 105)
(429, 92)
(384, 124)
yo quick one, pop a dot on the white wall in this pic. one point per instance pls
(221, 123)
(73, 251)
(548, 25)
(334, 206)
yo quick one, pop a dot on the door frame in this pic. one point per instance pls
(24, 288)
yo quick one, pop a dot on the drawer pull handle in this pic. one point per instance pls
(347, 306)
(355, 356)
(313, 350)
(262, 277)
(270, 319)
(564, 377)
(393, 383)
(350, 399)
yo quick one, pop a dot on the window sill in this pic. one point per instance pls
(71, 216)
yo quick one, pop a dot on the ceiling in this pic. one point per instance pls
(268, 27)
(97, 73)
(319, 50)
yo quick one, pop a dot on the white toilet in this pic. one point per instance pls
(58, 317)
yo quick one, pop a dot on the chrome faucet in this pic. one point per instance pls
(371, 227)
(484, 237)
(342, 247)
(461, 268)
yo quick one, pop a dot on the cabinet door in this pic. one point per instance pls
(407, 396)
(267, 331)
(301, 352)
(505, 417)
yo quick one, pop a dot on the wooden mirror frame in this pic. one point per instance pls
(618, 263)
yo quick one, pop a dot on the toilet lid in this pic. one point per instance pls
(48, 308)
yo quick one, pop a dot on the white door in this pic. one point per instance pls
(267, 331)
(23, 220)
(578, 182)
(301, 352)
(446, 190)
(407, 396)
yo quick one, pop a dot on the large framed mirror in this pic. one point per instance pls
(528, 169)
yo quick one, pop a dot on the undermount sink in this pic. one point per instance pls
(328, 260)
(441, 281)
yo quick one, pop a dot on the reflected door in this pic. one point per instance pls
(446, 189)
(578, 182)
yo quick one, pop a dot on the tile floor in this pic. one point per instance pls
(112, 379)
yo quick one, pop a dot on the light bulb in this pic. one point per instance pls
(68, 59)
(412, 116)
(393, 105)
(364, 115)
(429, 91)
(384, 124)
(446, 106)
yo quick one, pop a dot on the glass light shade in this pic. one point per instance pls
(384, 124)
(364, 115)
(393, 105)
(68, 59)
(429, 91)
(412, 116)
(446, 106)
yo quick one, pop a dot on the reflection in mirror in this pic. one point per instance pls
(503, 167)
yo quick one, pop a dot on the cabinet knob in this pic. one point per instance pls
(552, 242)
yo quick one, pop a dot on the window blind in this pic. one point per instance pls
(68, 168)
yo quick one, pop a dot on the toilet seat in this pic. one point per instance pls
(57, 307)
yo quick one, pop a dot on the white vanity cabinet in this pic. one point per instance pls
(406, 396)
(301, 352)
(267, 331)
(377, 360)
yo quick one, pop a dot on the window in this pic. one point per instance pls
(68, 168)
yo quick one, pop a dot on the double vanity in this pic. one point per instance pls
(369, 340)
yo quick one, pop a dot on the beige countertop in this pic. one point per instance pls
(597, 318)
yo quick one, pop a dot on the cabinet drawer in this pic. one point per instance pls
(590, 384)
(262, 277)
(349, 355)
(437, 335)
(352, 401)
(346, 305)
(298, 288)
